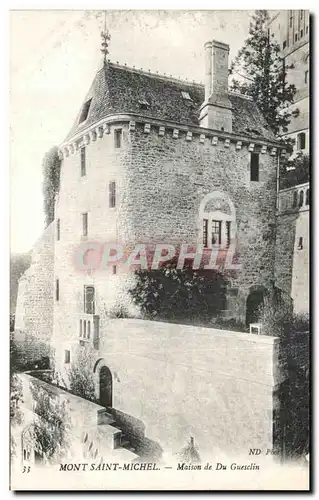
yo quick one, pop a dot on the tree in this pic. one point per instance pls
(51, 182)
(262, 74)
(294, 172)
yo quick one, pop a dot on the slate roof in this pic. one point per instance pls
(119, 89)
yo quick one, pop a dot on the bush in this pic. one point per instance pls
(16, 398)
(29, 355)
(81, 377)
(230, 324)
(118, 311)
(170, 293)
(50, 431)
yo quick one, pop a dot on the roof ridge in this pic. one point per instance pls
(156, 75)
(238, 94)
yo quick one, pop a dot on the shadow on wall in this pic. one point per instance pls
(134, 430)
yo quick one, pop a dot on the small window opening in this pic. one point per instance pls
(185, 95)
(117, 138)
(85, 224)
(301, 197)
(254, 167)
(307, 197)
(67, 356)
(300, 243)
(114, 270)
(57, 290)
(83, 162)
(112, 194)
(306, 76)
(144, 104)
(301, 140)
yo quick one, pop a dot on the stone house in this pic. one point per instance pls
(153, 159)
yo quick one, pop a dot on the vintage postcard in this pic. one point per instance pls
(159, 317)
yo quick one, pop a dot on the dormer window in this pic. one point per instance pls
(85, 111)
(186, 96)
(143, 104)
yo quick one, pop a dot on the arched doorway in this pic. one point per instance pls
(106, 387)
(254, 304)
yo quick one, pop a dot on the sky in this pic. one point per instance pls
(54, 56)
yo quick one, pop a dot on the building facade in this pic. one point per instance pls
(151, 159)
(291, 28)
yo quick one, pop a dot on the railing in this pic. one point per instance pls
(89, 329)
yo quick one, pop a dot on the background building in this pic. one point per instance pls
(291, 28)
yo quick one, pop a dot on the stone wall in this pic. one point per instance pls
(34, 310)
(174, 381)
(292, 261)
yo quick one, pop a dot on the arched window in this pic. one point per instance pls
(217, 220)
(295, 199)
(307, 197)
(301, 197)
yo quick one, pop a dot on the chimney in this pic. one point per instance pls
(216, 111)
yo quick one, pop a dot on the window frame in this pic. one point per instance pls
(83, 161)
(118, 138)
(85, 224)
(300, 243)
(57, 289)
(112, 194)
(254, 168)
(301, 141)
(216, 223)
(88, 309)
(67, 356)
(307, 202)
(306, 76)
(85, 111)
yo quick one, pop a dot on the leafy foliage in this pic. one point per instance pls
(28, 355)
(294, 172)
(81, 377)
(118, 311)
(262, 74)
(50, 430)
(51, 182)
(16, 398)
(170, 293)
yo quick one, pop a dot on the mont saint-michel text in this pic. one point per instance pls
(107, 466)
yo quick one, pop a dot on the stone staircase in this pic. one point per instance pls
(113, 437)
